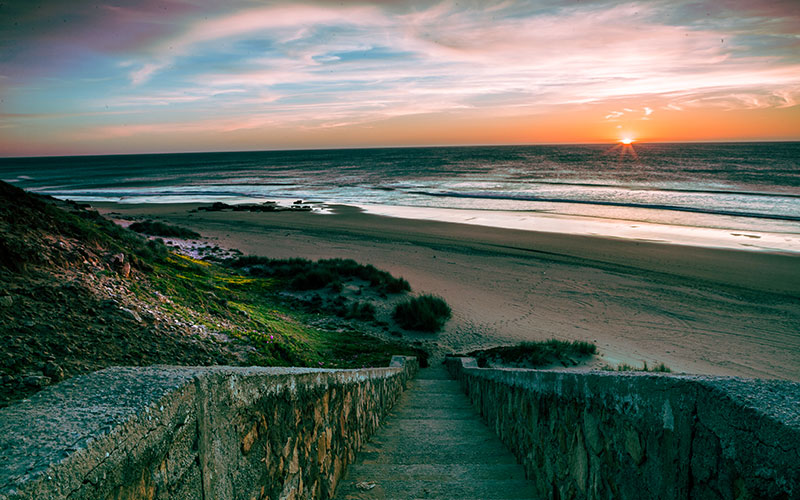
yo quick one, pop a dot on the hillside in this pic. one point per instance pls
(79, 293)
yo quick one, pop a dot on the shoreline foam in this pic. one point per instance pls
(634, 230)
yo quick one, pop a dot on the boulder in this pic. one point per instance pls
(37, 381)
(130, 314)
(120, 264)
(53, 371)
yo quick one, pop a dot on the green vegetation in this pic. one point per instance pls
(427, 313)
(363, 311)
(536, 354)
(251, 305)
(314, 275)
(659, 368)
(156, 228)
(86, 293)
(25, 221)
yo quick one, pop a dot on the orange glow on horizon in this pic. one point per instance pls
(626, 141)
(574, 124)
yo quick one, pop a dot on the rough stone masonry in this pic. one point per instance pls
(641, 435)
(190, 433)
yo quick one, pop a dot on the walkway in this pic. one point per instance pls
(433, 444)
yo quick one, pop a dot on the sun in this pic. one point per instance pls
(627, 141)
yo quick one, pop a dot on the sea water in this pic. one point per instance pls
(734, 195)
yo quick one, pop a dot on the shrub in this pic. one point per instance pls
(336, 269)
(362, 310)
(156, 228)
(536, 353)
(397, 285)
(313, 279)
(427, 313)
(153, 250)
(659, 368)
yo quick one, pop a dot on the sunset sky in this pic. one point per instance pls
(199, 75)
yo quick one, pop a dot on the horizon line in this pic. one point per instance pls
(408, 146)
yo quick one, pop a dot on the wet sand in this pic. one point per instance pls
(698, 310)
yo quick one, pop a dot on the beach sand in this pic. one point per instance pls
(698, 310)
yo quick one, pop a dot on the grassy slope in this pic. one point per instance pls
(67, 305)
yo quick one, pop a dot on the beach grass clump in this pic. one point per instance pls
(156, 228)
(426, 313)
(536, 354)
(659, 368)
(314, 279)
(306, 274)
(363, 311)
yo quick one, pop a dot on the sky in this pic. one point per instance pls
(104, 77)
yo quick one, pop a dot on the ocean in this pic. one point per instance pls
(732, 195)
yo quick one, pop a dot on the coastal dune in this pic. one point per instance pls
(698, 310)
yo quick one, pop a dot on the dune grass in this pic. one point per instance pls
(248, 307)
(659, 368)
(426, 313)
(156, 228)
(536, 354)
(363, 311)
(305, 274)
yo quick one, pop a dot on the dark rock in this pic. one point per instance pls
(53, 371)
(109, 304)
(130, 314)
(121, 264)
(37, 381)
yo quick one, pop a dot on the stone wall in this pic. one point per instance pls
(194, 433)
(643, 436)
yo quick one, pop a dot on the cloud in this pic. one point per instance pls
(338, 63)
(144, 72)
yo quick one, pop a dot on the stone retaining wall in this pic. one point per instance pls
(643, 436)
(194, 433)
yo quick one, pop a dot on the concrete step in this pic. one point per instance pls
(435, 472)
(486, 489)
(432, 413)
(416, 427)
(437, 443)
(434, 385)
(435, 400)
(434, 445)
(437, 373)
(463, 455)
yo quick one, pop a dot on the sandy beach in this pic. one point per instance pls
(698, 310)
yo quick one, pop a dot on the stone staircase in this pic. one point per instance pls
(434, 445)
